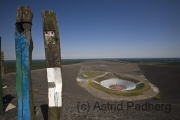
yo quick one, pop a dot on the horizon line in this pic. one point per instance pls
(112, 58)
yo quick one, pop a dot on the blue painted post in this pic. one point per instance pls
(1, 100)
(24, 47)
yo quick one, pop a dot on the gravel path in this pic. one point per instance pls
(107, 110)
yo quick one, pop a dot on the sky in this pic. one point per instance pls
(100, 28)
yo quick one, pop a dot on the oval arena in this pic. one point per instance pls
(118, 84)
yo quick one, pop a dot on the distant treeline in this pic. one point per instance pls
(155, 61)
(40, 64)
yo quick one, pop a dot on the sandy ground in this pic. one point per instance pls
(117, 87)
(166, 78)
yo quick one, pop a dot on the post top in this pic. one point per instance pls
(49, 20)
(24, 14)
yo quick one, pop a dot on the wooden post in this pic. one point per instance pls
(24, 47)
(53, 62)
(2, 65)
(1, 96)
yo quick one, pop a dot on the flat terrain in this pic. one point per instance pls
(166, 78)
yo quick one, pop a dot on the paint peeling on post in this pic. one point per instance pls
(24, 47)
(49, 37)
(53, 62)
(55, 87)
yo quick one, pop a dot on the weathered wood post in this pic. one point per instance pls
(53, 62)
(2, 65)
(24, 47)
(1, 96)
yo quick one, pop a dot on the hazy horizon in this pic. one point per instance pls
(105, 58)
(94, 29)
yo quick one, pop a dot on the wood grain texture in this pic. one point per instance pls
(53, 62)
(52, 51)
(1, 97)
(55, 87)
(24, 47)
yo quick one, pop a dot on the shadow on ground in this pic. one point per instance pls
(44, 109)
(6, 100)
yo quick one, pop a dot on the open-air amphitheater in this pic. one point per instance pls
(114, 80)
(127, 85)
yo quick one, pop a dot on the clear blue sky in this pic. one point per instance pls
(100, 28)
